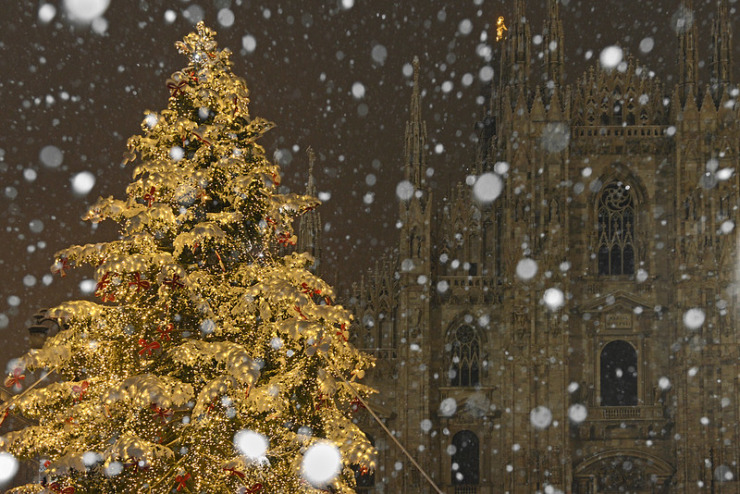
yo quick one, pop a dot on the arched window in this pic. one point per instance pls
(616, 230)
(618, 374)
(464, 468)
(464, 357)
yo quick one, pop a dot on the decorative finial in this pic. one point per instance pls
(500, 28)
(311, 159)
(416, 70)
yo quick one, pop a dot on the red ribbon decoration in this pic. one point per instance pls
(107, 297)
(298, 310)
(201, 139)
(234, 471)
(148, 347)
(276, 180)
(174, 282)
(80, 390)
(343, 333)
(5, 416)
(57, 487)
(182, 480)
(61, 265)
(104, 282)
(139, 283)
(15, 379)
(165, 333)
(176, 88)
(356, 405)
(285, 238)
(163, 413)
(149, 197)
(255, 488)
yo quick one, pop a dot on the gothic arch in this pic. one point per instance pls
(618, 374)
(463, 355)
(628, 469)
(465, 462)
(619, 234)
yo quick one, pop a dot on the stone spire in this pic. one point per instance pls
(416, 136)
(554, 52)
(515, 59)
(688, 57)
(721, 64)
(309, 226)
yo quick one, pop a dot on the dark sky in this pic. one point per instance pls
(84, 89)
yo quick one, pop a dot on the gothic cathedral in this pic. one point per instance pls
(576, 333)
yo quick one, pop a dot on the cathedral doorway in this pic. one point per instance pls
(622, 473)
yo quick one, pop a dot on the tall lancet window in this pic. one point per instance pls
(616, 230)
(464, 357)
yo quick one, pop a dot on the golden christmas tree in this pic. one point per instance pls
(211, 362)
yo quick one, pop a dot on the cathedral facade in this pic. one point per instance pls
(571, 326)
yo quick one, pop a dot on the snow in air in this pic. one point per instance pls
(540, 417)
(252, 445)
(83, 182)
(577, 413)
(404, 190)
(488, 187)
(664, 383)
(610, 57)
(693, 318)
(448, 407)
(51, 156)
(8, 466)
(321, 464)
(47, 12)
(526, 269)
(225, 17)
(379, 53)
(646, 45)
(358, 90)
(249, 43)
(553, 298)
(85, 10)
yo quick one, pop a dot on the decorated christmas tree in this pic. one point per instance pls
(210, 362)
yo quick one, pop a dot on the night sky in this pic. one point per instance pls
(84, 88)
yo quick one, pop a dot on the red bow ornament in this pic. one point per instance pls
(149, 197)
(162, 413)
(174, 282)
(14, 381)
(234, 471)
(342, 331)
(61, 266)
(356, 405)
(298, 310)
(255, 488)
(176, 87)
(80, 390)
(164, 333)
(182, 480)
(148, 347)
(57, 487)
(139, 283)
(286, 238)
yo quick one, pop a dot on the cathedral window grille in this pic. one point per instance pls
(464, 348)
(464, 470)
(618, 374)
(616, 215)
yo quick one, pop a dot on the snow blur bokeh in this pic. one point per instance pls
(577, 413)
(252, 445)
(693, 318)
(526, 269)
(8, 467)
(540, 417)
(321, 463)
(83, 182)
(611, 57)
(553, 298)
(85, 11)
(487, 187)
